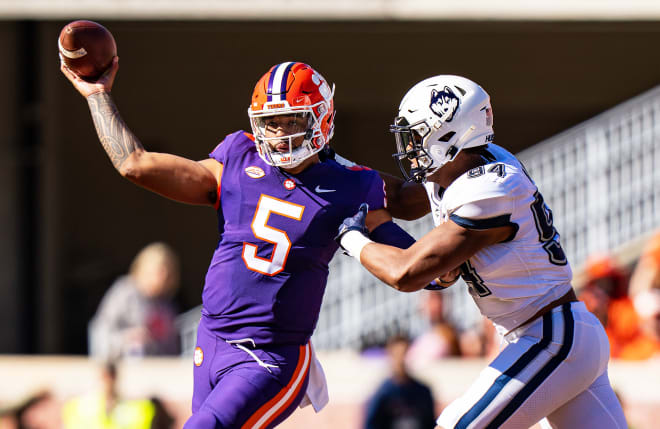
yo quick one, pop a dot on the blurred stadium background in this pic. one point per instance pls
(572, 85)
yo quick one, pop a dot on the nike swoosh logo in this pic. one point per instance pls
(320, 190)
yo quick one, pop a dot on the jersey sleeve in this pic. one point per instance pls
(375, 192)
(223, 149)
(480, 203)
(219, 153)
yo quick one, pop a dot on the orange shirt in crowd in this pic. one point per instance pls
(627, 340)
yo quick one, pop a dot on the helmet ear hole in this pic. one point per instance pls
(447, 137)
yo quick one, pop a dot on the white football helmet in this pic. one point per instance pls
(439, 117)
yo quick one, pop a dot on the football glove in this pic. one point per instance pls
(354, 223)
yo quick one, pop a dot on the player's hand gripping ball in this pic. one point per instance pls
(87, 48)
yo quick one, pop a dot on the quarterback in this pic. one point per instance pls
(279, 200)
(493, 228)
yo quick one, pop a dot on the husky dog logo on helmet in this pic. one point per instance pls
(444, 103)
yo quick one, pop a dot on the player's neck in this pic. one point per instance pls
(449, 172)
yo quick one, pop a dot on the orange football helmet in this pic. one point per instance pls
(292, 88)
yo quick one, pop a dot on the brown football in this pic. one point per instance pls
(87, 48)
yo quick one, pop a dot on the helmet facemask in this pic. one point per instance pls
(281, 150)
(410, 146)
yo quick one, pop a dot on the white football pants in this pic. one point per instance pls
(555, 367)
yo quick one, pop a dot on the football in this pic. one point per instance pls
(87, 48)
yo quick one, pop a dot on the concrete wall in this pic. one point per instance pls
(182, 86)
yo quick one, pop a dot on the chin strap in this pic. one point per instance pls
(458, 146)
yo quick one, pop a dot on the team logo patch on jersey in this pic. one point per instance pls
(289, 184)
(444, 103)
(198, 357)
(255, 172)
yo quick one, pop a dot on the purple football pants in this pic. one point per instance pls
(239, 386)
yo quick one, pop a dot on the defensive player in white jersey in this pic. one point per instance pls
(494, 229)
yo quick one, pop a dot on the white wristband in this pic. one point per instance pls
(353, 242)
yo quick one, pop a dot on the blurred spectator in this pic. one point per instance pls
(480, 341)
(647, 272)
(477, 338)
(605, 294)
(162, 417)
(401, 402)
(440, 340)
(104, 409)
(647, 304)
(38, 411)
(136, 316)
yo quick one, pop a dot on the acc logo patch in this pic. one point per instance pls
(198, 357)
(255, 172)
(444, 103)
(289, 184)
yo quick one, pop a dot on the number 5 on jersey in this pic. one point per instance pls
(279, 238)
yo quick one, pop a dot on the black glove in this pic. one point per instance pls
(355, 223)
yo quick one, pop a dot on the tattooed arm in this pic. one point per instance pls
(169, 175)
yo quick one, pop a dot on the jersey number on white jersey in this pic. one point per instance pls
(472, 279)
(543, 221)
(547, 232)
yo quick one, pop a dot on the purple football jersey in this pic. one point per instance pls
(268, 274)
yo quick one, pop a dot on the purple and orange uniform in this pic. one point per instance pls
(265, 283)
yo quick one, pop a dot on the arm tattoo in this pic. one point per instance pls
(117, 140)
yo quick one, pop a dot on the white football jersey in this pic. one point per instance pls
(512, 280)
